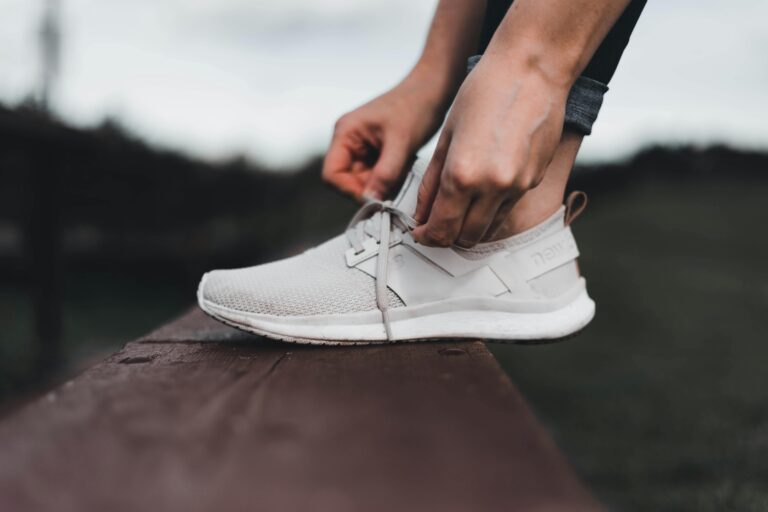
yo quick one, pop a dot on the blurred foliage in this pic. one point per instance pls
(124, 203)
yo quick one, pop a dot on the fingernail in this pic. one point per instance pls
(370, 194)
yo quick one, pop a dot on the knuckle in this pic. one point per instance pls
(462, 178)
(520, 185)
(525, 183)
(341, 123)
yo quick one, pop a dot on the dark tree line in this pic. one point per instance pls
(83, 198)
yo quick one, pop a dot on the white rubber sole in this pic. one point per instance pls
(490, 319)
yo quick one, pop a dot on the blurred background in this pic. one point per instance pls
(143, 142)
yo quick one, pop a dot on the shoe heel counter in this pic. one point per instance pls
(556, 281)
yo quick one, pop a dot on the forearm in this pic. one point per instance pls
(556, 38)
(452, 39)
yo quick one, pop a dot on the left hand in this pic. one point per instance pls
(498, 139)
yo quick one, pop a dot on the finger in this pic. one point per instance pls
(337, 165)
(388, 169)
(499, 220)
(481, 214)
(430, 182)
(445, 218)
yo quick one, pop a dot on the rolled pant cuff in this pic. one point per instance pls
(583, 105)
(584, 101)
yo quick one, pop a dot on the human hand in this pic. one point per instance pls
(500, 135)
(372, 144)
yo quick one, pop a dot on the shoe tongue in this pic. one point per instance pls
(406, 198)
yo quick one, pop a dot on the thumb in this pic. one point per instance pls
(388, 169)
(430, 182)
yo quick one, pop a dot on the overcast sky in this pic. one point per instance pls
(269, 77)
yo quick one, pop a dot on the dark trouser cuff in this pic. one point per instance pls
(584, 101)
(583, 105)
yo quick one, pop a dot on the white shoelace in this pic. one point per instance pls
(383, 216)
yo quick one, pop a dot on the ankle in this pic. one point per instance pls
(540, 203)
(523, 219)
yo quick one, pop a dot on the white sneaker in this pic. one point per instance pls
(524, 288)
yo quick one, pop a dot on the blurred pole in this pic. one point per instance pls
(43, 231)
(50, 51)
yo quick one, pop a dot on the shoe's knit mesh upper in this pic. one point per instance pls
(317, 282)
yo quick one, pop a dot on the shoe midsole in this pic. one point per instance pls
(460, 317)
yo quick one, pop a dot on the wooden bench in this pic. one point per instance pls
(200, 417)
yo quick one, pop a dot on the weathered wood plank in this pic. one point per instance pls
(200, 417)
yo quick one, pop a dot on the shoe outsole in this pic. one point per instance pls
(323, 342)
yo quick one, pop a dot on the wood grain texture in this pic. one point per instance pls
(199, 417)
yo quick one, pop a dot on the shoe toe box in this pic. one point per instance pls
(286, 289)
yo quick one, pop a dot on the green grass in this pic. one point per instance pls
(661, 402)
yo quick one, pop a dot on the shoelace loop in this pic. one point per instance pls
(380, 230)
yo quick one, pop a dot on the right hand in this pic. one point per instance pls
(372, 144)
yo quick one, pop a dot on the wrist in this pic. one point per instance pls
(439, 79)
(530, 56)
(544, 38)
(555, 38)
(426, 92)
